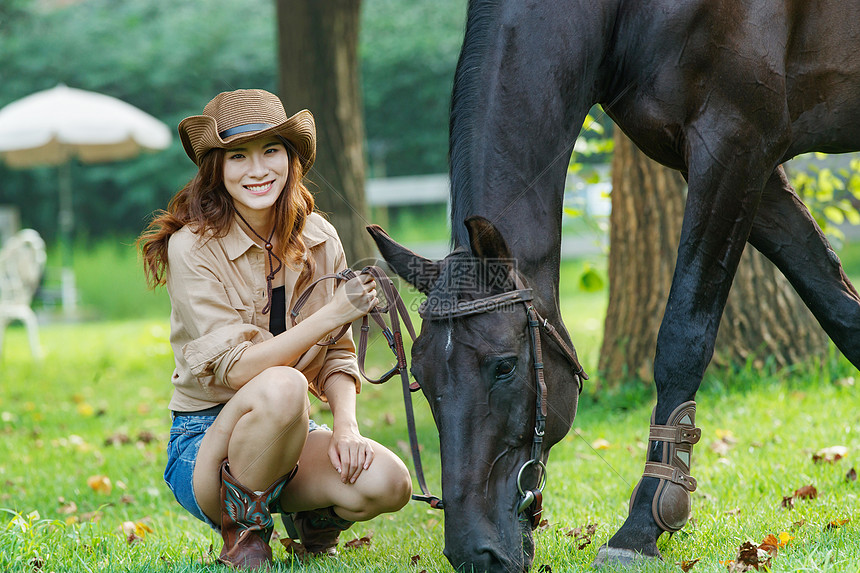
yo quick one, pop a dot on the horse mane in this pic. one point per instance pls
(465, 102)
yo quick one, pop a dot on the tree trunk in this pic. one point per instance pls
(764, 318)
(318, 59)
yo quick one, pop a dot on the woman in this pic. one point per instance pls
(236, 246)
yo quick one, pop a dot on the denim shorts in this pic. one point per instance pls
(185, 436)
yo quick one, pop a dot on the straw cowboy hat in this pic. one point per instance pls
(234, 117)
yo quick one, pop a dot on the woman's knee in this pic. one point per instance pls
(281, 392)
(391, 486)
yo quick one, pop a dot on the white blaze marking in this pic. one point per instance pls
(448, 342)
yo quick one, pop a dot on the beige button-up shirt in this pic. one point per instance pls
(217, 291)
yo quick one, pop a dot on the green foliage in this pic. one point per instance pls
(590, 280)
(170, 58)
(409, 52)
(831, 193)
(155, 55)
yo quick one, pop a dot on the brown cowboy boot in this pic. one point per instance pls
(319, 530)
(246, 522)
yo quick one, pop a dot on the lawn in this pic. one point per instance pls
(84, 434)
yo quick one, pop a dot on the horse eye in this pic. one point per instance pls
(506, 367)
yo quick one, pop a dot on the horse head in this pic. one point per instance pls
(475, 364)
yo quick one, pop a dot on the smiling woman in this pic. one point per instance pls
(255, 174)
(242, 445)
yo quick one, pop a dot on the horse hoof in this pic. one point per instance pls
(616, 556)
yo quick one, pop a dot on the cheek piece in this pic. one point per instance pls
(671, 504)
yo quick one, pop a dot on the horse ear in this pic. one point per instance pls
(485, 240)
(416, 270)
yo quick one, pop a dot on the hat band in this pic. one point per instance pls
(244, 129)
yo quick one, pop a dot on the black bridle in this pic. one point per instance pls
(530, 502)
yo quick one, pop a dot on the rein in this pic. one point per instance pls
(530, 503)
(396, 309)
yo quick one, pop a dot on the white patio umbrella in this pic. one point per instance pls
(54, 126)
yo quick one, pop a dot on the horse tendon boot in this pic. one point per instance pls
(319, 530)
(671, 504)
(246, 521)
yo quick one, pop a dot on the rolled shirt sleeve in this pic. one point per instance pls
(211, 324)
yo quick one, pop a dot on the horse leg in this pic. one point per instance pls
(724, 191)
(785, 232)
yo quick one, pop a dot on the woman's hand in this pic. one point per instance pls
(350, 453)
(353, 299)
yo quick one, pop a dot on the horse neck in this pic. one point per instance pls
(516, 112)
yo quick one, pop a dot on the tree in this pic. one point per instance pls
(764, 317)
(318, 62)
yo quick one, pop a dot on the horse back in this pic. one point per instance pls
(785, 71)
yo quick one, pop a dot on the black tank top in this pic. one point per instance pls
(278, 312)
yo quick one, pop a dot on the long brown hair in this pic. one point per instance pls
(205, 205)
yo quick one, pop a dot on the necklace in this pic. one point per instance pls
(272, 257)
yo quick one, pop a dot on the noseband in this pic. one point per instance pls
(530, 502)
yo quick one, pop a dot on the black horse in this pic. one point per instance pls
(724, 91)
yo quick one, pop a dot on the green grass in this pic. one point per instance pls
(110, 379)
(62, 422)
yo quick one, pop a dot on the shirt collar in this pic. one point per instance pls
(236, 242)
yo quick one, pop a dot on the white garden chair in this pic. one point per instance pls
(22, 262)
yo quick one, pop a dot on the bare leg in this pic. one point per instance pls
(384, 487)
(262, 431)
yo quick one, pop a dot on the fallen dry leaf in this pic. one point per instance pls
(295, 549)
(543, 525)
(117, 439)
(100, 484)
(583, 535)
(131, 536)
(851, 475)
(600, 444)
(751, 557)
(414, 560)
(359, 542)
(770, 544)
(720, 447)
(806, 492)
(135, 531)
(836, 523)
(67, 508)
(146, 437)
(798, 524)
(735, 511)
(788, 501)
(724, 442)
(830, 455)
(687, 565)
(544, 569)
